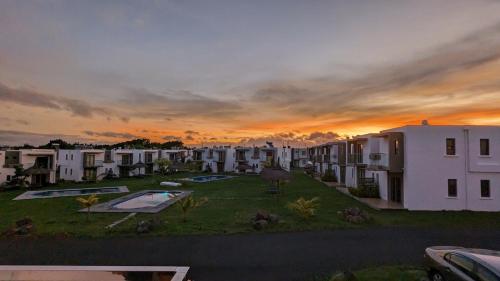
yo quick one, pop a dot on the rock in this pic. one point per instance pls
(262, 215)
(23, 222)
(273, 218)
(344, 276)
(353, 215)
(260, 224)
(144, 227)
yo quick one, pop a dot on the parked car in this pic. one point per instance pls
(461, 264)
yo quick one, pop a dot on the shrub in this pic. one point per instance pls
(365, 192)
(188, 203)
(329, 176)
(304, 208)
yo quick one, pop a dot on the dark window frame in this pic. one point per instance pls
(452, 188)
(484, 147)
(485, 188)
(451, 146)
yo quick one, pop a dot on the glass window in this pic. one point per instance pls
(485, 147)
(396, 147)
(450, 146)
(485, 274)
(462, 263)
(485, 189)
(452, 188)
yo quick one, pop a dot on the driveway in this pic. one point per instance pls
(276, 256)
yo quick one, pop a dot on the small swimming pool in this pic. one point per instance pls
(54, 193)
(146, 201)
(201, 179)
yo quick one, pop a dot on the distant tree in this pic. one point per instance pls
(62, 144)
(172, 144)
(163, 165)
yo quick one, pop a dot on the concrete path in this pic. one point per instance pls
(277, 256)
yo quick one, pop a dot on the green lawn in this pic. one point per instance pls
(385, 273)
(230, 205)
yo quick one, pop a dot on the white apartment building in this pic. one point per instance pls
(39, 165)
(81, 164)
(132, 162)
(215, 159)
(299, 157)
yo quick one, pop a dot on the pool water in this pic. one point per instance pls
(209, 178)
(147, 200)
(54, 193)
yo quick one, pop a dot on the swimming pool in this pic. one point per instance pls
(54, 193)
(146, 201)
(201, 179)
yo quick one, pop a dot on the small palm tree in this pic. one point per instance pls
(88, 202)
(188, 203)
(163, 165)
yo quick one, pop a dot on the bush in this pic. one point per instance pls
(304, 208)
(365, 192)
(329, 176)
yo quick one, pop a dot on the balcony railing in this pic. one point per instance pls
(379, 160)
(355, 158)
(93, 164)
(124, 162)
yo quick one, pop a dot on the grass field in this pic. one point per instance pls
(230, 205)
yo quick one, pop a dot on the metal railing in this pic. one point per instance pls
(356, 158)
(124, 162)
(92, 164)
(379, 160)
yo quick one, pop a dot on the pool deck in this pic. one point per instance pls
(212, 178)
(108, 207)
(28, 195)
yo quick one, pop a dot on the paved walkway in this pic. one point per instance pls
(277, 256)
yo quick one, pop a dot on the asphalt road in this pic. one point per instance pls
(276, 256)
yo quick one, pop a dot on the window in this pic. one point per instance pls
(485, 147)
(450, 147)
(71, 156)
(66, 171)
(485, 189)
(462, 263)
(396, 147)
(71, 171)
(485, 274)
(66, 156)
(452, 188)
(8, 177)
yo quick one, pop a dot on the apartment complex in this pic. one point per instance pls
(420, 167)
(299, 157)
(38, 165)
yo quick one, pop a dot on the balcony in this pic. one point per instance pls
(93, 164)
(379, 161)
(124, 163)
(356, 158)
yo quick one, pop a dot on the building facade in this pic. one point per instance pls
(38, 165)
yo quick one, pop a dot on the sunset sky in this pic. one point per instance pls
(243, 71)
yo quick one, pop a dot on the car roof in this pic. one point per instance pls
(489, 258)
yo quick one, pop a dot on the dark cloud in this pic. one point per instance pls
(190, 132)
(35, 99)
(109, 134)
(13, 137)
(323, 136)
(292, 139)
(189, 138)
(178, 104)
(393, 89)
(171, 138)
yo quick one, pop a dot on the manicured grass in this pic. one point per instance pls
(386, 273)
(230, 205)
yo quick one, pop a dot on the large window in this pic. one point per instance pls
(485, 189)
(485, 147)
(450, 146)
(452, 188)
(461, 263)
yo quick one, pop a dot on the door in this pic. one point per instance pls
(220, 167)
(342, 174)
(396, 189)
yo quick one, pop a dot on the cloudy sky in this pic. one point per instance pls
(244, 71)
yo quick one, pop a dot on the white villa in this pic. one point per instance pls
(39, 165)
(80, 164)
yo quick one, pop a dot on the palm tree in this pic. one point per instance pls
(88, 202)
(188, 203)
